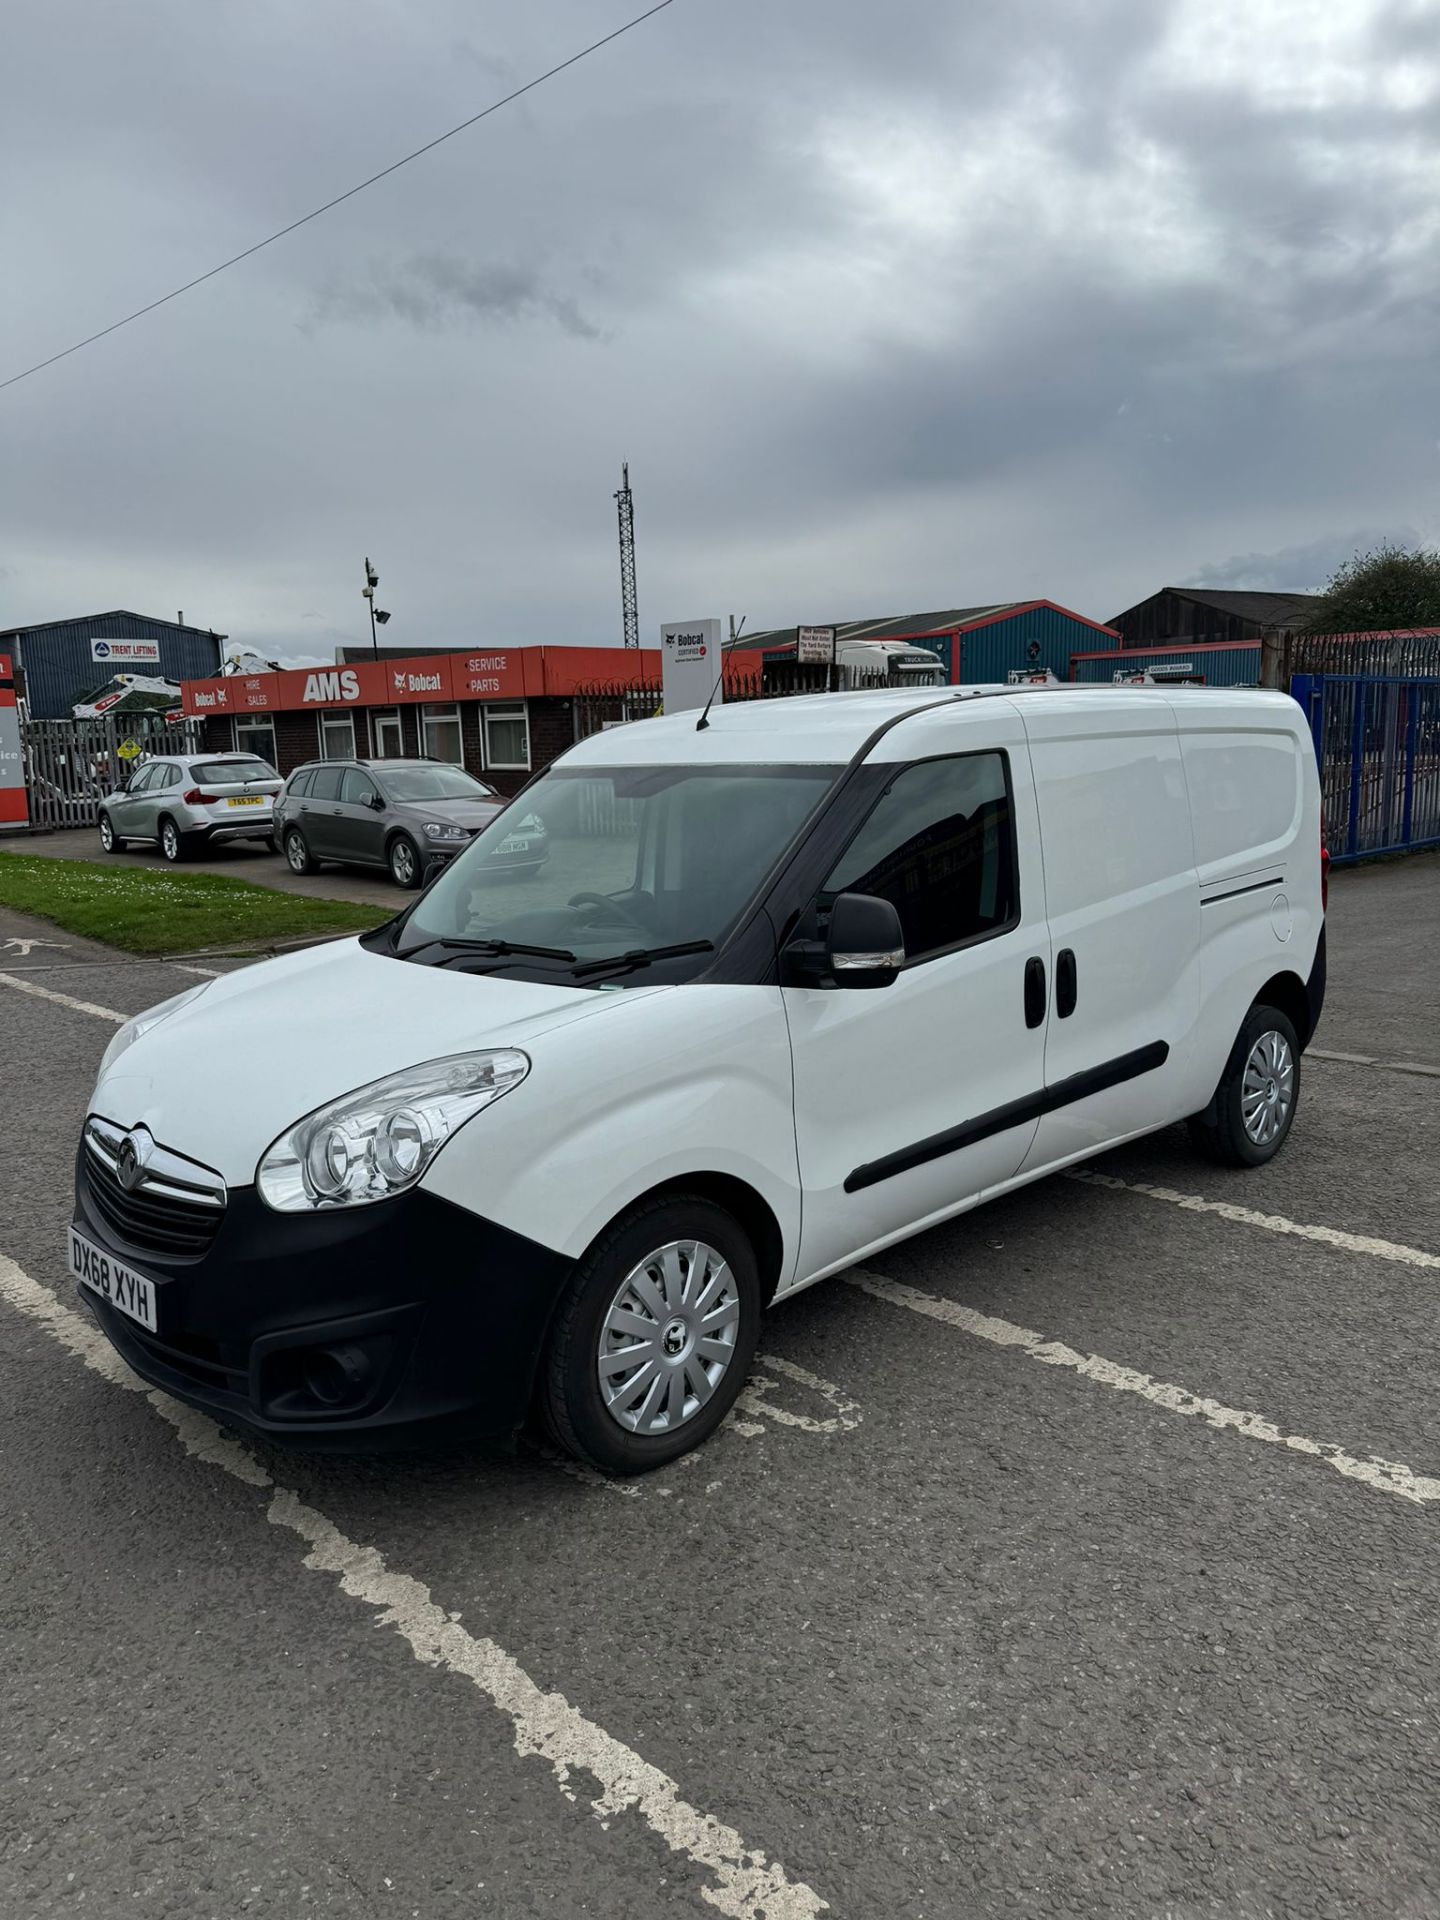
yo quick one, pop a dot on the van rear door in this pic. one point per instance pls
(1124, 911)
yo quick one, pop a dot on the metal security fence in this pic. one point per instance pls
(1377, 741)
(70, 765)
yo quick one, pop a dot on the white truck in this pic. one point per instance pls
(861, 663)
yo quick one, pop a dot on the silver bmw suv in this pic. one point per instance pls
(184, 801)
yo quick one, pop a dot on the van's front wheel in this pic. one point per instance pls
(654, 1338)
(1253, 1110)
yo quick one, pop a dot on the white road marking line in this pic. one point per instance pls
(1384, 1476)
(1272, 1222)
(1372, 1060)
(747, 1885)
(755, 1399)
(64, 999)
(205, 973)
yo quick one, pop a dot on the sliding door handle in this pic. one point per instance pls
(1034, 992)
(1066, 986)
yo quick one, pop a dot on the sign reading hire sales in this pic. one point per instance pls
(125, 653)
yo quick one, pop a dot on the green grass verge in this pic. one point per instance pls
(144, 910)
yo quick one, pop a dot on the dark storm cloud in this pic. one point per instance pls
(436, 290)
(913, 304)
(1303, 569)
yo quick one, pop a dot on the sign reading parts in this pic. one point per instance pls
(690, 666)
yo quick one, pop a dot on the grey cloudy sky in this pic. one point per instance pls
(890, 306)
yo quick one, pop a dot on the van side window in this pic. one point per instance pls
(940, 846)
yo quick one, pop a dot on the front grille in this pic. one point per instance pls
(172, 1206)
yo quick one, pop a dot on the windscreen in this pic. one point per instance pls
(433, 783)
(604, 861)
(231, 773)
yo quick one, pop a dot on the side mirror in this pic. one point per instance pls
(865, 947)
(866, 943)
(376, 801)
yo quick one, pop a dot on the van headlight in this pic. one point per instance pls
(143, 1022)
(378, 1141)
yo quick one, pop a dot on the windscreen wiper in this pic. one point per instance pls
(642, 956)
(498, 949)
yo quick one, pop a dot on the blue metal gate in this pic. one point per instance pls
(1377, 741)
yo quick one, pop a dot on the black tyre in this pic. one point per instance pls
(654, 1337)
(110, 841)
(406, 868)
(174, 844)
(297, 853)
(1253, 1110)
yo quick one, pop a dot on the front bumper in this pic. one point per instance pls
(408, 1322)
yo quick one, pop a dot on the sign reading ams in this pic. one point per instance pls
(325, 689)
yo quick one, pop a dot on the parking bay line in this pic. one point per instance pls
(1384, 1476)
(1272, 1222)
(747, 1886)
(63, 999)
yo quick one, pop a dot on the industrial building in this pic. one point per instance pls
(975, 645)
(60, 663)
(1179, 616)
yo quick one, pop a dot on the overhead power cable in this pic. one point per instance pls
(340, 198)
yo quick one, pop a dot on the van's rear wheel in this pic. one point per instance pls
(1253, 1110)
(654, 1338)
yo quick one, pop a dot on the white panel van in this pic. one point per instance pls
(797, 979)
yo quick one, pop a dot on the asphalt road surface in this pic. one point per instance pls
(1080, 1558)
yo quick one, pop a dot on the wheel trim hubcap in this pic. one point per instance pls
(170, 839)
(1267, 1088)
(297, 853)
(404, 865)
(668, 1337)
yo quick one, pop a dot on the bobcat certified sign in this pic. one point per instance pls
(690, 664)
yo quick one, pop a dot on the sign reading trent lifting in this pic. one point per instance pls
(689, 664)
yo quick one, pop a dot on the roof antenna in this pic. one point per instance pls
(703, 722)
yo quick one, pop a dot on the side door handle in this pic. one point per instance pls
(1067, 989)
(1034, 992)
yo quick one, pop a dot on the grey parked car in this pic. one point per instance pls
(185, 801)
(407, 815)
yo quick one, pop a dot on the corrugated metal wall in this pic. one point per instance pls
(1221, 666)
(989, 653)
(59, 670)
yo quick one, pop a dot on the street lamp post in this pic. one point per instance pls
(377, 614)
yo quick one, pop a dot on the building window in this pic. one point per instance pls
(337, 736)
(386, 732)
(440, 734)
(507, 734)
(257, 736)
